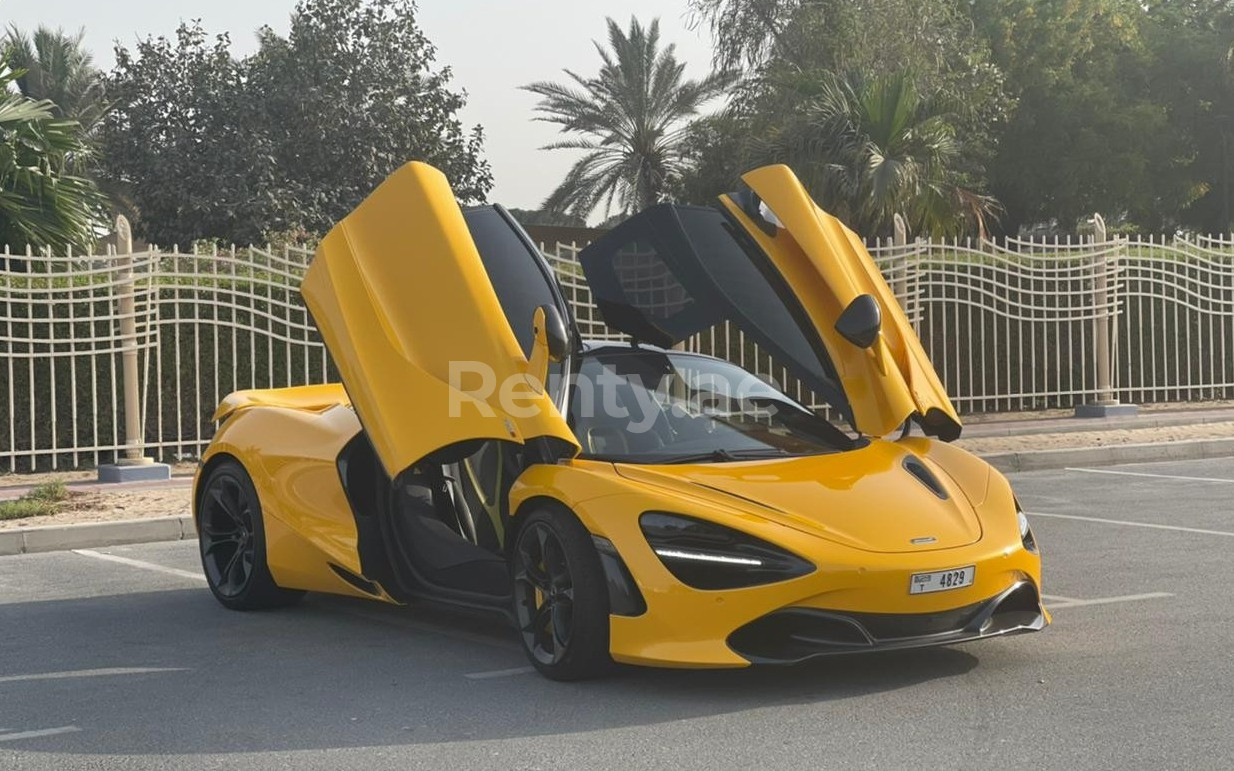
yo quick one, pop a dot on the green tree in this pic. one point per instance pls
(350, 95)
(1192, 76)
(1086, 134)
(41, 204)
(184, 142)
(869, 148)
(630, 120)
(808, 62)
(56, 67)
(290, 139)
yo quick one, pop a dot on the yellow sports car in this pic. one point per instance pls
(619, 501)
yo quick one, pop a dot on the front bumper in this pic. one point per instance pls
(795, 634)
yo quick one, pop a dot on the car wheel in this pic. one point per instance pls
(560, 597)
(233, 542)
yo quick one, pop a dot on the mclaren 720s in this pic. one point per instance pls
(620, 501)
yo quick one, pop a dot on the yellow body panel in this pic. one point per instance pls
(290, 454)
(828, 267)
(399, 294)
(313, 398)
(686, 627)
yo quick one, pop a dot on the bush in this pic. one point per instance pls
(43, 500)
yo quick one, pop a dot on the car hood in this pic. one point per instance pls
(873, 498)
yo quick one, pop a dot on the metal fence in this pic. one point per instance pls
(1018, 325)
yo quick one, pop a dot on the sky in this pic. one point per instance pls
(492, 47)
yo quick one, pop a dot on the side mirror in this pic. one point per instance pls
(550, 330)
(861, 321)
(551, 344)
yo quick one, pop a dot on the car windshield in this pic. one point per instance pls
(648, 406)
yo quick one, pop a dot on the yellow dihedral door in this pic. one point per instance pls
(827, 267)
(410, 316)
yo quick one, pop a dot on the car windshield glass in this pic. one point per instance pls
(646, 406)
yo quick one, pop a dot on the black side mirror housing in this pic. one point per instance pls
(555, 335)
(861, 321)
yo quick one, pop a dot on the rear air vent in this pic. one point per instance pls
(914, 466)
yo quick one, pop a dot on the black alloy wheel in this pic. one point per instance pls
(560, 597)
(232, 540)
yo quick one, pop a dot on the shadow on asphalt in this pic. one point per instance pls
(333, 673)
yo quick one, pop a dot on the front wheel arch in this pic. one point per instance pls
(587, 654)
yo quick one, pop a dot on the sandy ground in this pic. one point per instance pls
(992, 444)
(101, 505)
(111, 506)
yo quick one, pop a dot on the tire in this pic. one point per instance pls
(560, 597)
(232, 539)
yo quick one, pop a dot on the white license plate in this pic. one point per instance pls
(922, 583)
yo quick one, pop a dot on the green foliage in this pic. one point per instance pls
(290, 139)
(43, 500)
(55, 67)
(876, 103)
(42, 204)
(870, 149)
(1192, 76)
(1084, 136)
(630, 119)
(184, 141)
(348, 97)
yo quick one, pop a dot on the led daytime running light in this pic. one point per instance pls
(705, 557)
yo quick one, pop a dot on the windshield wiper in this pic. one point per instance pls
(722, 455)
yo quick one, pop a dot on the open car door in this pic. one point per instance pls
(791, 277)
(427, 311)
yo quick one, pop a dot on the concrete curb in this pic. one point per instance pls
(28, 540)
(94, 534)
(1039, 460)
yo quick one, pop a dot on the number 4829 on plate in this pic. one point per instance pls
(942, 580)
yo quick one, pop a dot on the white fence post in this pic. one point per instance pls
(1104, 315)
(132, 464)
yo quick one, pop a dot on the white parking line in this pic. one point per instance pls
(88, 673)
(66, 729)
(1154, 476)
(500, 673)
(98, 555)
(1054, 602)
(1152, 525)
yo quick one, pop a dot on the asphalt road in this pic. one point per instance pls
(132, 665)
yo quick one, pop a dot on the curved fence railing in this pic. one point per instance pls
(1016, 325)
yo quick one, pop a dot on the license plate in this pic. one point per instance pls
(943, 580)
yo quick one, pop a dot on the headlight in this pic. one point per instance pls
(705, 555)
(1026, 532)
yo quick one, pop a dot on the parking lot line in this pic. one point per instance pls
(139, 564)
(500, 673)
(88, 673)
(1055, 602)
(1154, 476)
(1152, 525)
(66, 729)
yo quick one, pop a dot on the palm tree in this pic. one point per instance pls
(53, 65)
(40, 204)
(630, 119)
(871, 148)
